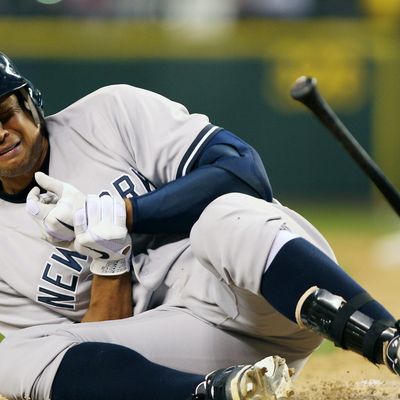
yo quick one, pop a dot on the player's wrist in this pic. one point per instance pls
(129, 214)
(111, 268)
(111, 298)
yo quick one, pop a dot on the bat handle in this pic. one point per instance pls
(303, 88)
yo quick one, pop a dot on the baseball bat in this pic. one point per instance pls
(305, 91)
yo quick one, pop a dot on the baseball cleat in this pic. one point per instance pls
(268, 379)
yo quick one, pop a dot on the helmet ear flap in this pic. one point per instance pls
(30, 106)
(36, 96)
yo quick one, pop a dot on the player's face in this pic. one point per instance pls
(22, 146)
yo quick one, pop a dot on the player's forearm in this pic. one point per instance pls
(225, 165)
(176, 206)
(111, 298)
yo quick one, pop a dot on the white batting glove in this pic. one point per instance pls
(54, 210)
(101, 233)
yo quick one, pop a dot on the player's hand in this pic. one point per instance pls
(54, 210)
(101, 233)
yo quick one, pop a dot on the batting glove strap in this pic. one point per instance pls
(110, 268)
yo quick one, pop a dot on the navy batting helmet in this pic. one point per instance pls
(11, 80)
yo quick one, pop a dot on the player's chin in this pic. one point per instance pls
(15, 167)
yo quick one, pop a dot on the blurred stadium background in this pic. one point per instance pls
(235, 60)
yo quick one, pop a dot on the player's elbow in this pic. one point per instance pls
(246, 171)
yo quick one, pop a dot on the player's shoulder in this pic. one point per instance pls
(116, 90)
(108, 94)
(108, 97)
(120, 90)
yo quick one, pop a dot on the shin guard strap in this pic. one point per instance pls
(343, 316)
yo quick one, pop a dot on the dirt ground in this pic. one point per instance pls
(342, 375)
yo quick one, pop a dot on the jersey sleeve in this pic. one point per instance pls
(162, 134)
(227, 164)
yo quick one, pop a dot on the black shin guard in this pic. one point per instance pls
(341, 322)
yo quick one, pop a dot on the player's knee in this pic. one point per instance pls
(231, 214)
(220, 217)
(233, 236)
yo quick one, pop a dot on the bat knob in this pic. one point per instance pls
(302, 87)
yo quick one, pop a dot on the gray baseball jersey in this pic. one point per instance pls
(119, 139)
(128, 141)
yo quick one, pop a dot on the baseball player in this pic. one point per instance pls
(140, 207)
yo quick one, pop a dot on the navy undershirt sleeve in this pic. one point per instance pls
(175, 207)
(225, 165)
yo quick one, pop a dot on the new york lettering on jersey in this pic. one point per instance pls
(59, 289)
(127, 187)
(60, 276)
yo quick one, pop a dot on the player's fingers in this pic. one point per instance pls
(33, 194)
(93, 209)
(80, 221)
(107, 209)
(36, 207)
(32, 201)
(49, 183)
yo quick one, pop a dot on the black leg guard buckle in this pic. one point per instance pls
(343, 315)
(373, 337)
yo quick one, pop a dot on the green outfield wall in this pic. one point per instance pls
(239, 74)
